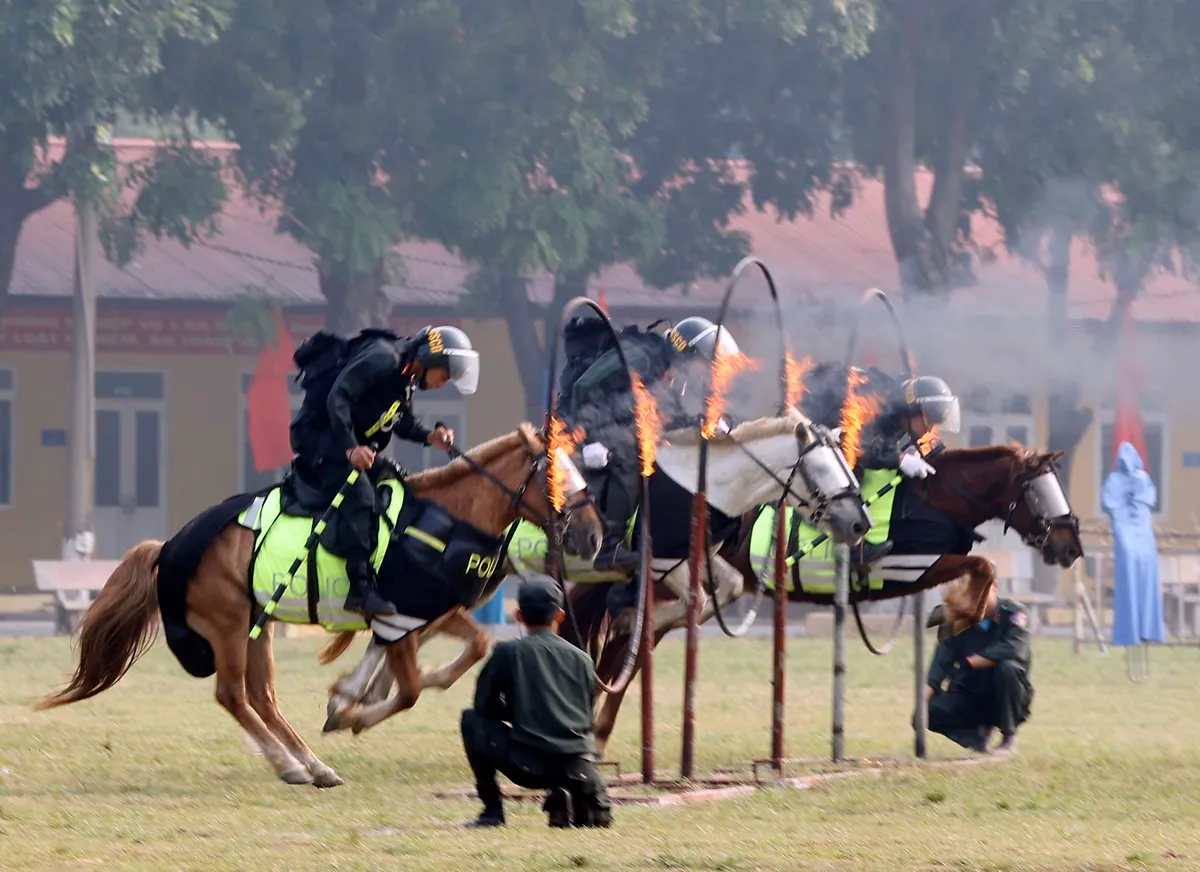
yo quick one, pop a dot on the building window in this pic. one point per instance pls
(251, 478)
(996, 418)
(1154, 435)
(6, 436)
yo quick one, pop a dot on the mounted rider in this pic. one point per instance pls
(600, 400)
(358, 394)
(890, 441)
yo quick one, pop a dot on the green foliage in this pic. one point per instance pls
(66, 69)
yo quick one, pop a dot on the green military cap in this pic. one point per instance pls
(539, 597)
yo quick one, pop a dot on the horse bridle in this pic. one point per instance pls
(1043, 526)
(817, 502)
(537, 465)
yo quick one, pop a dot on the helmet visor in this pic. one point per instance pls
(941, 412)
(463, 364)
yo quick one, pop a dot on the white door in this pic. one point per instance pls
(128, 480)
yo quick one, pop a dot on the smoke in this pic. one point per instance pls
(998, 334)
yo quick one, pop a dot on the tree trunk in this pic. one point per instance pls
(924, 244)
(1068, 420)
(354, 301)
(532, 354)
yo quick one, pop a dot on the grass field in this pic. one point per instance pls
(154, 775)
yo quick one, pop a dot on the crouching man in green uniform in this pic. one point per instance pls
(534, 716)
(978, 681)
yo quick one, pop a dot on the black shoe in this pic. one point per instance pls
(1008, 744)
(588, 814)
(365, 599)
(558, 808)
(614, 555)
(487, 818)
(980, 745)
(866, 554)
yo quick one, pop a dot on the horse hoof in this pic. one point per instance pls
(326, 778)
(296, 776)
(332, 723)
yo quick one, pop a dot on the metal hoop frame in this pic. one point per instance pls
(700, 525)
(906, 363)
(554, 548)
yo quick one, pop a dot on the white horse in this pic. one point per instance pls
(746, 467)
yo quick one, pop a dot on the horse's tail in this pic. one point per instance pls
(336, 647)
(117, 629)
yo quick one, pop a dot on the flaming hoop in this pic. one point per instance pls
(853, 412)
(646, 412)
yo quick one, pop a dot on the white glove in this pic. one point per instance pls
(913, 465)
(595, 455)
(722, 426)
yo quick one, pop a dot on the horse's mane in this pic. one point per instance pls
(483, 454)
(759, 428)
(987, 454)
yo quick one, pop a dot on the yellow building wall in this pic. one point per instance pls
(203, 435)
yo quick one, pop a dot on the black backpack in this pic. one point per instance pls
(322, 356)
(585, 340)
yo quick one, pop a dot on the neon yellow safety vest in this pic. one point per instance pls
(816, 568)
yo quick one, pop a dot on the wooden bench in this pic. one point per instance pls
(73, 583)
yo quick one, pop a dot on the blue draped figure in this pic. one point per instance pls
(1128, 498)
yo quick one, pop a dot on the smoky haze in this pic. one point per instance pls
(995, 332)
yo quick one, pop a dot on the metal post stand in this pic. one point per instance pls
(841, 598)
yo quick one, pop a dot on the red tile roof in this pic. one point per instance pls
(824, 257)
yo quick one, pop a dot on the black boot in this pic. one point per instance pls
(558, 808)
(613, 554)
(489, 817)
(865, 554)
(363, 597)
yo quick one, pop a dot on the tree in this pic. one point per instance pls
(634, 162)
(1091, 145)
(67, 69)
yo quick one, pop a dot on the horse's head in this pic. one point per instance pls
(1038, 509)
(582, 523)
(759, 461)
(1017, 485)
(829, 492)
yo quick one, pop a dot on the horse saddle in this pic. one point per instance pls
(301, 499)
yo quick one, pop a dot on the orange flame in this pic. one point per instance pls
(795, 378)
(857, 412)
(929, 441)
(556, 478)
(648, 422)
(725, 368)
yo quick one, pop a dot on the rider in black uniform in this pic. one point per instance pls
(601, 401)
(346, 424)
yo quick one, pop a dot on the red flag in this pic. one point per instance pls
(267, 402)
(1127, 419)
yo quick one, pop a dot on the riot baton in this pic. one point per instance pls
(269, 608)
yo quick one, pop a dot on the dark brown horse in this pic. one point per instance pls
(971, 486)
(123, 621)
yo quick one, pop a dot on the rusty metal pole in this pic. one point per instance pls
(647, 657)
(778, 702)
(687, 763)
(841, 597)
(919, 673)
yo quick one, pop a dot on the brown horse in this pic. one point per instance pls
(971, 486)
(489, 488)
